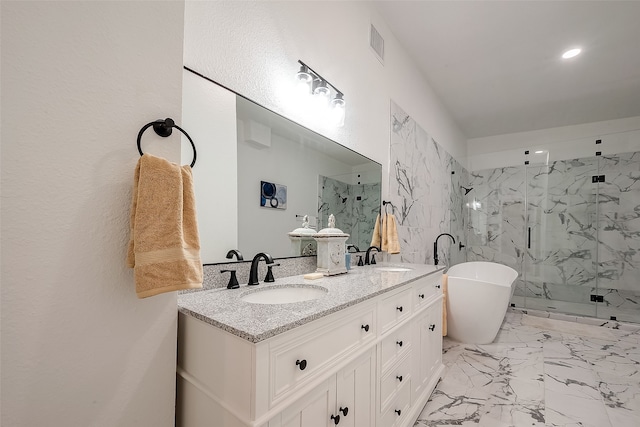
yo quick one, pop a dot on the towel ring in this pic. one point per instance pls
(164, 129)
(385, 203)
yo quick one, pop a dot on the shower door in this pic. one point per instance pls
(619, 237)
(570, 228)
(561, 256)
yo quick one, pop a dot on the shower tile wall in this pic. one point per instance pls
(619, 237)
(425, 195)
(496, 218)
(353, 216)
(580, 230)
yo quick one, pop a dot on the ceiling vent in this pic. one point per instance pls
(377, 43)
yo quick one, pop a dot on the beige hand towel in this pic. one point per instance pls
(445, 292)
(390, 242)
(375, 238)
(164, 246)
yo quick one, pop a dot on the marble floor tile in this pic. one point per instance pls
(540, 372)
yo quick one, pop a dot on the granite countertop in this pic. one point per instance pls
(225, 309)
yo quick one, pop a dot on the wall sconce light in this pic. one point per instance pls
(303, 80)
(317, 90)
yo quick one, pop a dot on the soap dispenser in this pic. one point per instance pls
(347, 258)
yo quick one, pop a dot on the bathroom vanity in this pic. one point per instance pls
(362, 349)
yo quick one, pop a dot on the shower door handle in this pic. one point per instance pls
(529, 238)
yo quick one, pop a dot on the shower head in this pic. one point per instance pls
(466, 190)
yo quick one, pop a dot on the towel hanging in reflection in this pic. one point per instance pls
(164, 246)
(375, 238)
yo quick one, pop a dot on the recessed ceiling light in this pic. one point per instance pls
(571, 53)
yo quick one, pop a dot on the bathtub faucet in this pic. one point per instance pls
(435, 246)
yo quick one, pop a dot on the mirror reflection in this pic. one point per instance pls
(286, 173)
(259, 175)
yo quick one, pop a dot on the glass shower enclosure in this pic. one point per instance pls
(571, 228)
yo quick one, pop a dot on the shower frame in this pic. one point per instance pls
(517, 219)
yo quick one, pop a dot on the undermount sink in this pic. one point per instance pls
(393, 269)
(284, 294)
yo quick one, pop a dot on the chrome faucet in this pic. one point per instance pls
(366, 257)
(435, 246)
(235, 252)
(253, 273)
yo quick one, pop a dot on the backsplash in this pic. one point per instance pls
(214, 279)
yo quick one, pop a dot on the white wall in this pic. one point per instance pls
(560, 143)
(253, 48)
(79, 80)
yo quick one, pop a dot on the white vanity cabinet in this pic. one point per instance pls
(374, 363)
(346, 398)
(410, 361)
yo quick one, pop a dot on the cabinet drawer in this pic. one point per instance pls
(394, 309)
(395, 414)
(393, 381)
(296, 360)
(426, 288)
(396, 345)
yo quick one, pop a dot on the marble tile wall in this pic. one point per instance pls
(584, 235)
(425, 192)
(353, 216)
(619, 236)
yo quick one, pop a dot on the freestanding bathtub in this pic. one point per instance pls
(477, 301)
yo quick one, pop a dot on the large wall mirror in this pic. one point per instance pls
(258, 175)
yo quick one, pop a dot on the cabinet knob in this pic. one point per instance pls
(336, 419)
(421, 296)
(399, 343)
(432, 327)
(365, 327)
(302, 364)
(344, 410)
(399, 378)
(398, 411)
(438, 286)
(399, 309)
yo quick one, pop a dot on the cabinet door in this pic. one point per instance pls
(356, 392)
(314, 409)
(429, 349)
(435, 345)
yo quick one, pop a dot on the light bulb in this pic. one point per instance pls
(303, 75)
(302, 88)
(322, 90)
(303, 82)
(338, 110)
